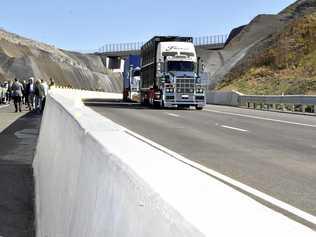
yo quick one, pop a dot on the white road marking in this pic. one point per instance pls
(274, 201)
(173, 115)
(233, 128)
(261, 118)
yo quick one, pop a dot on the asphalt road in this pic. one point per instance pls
(18, 139)
(274, 153)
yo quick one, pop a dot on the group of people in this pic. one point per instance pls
(32, 94)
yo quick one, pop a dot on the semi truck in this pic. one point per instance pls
(131, 78)
(170, 73)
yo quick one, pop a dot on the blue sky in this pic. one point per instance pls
(87, 25)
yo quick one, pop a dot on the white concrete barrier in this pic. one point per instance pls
(93, 179)
(229, 98)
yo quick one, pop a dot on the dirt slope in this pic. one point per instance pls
(287, 65)
(253, 39)
(23, 58)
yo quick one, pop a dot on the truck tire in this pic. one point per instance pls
(157, 104)
(143, 101)
(198, 107)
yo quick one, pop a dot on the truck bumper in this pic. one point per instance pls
(172, 104)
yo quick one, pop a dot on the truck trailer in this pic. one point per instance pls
(131, 78)
(170, 73)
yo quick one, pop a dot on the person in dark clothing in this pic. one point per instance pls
(16, 90)
(39, 95)
(51, 83)
(30, 94)
(9, 92)
(25, 97)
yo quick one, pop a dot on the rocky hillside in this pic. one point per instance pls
(287, 65)
(262, 57)
(23, 58)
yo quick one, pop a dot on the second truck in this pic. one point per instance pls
(170, 73)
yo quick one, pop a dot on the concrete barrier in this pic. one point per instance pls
(229, 98)
(94, 178)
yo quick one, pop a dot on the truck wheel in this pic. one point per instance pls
(146, 102)
(199, 107)
(157, 104)
(143, 101)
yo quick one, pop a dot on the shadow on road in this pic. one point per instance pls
(17, 146)
(119, 104)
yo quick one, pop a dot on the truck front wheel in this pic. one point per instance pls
(157, 104)
(199, 107)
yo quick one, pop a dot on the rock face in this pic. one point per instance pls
(252, 40)
(23, 58)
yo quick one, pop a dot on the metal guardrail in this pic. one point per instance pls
(134, 46)
(288, 103)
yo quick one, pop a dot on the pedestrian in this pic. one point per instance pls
(2, 96)
(45, 87)
(24, 99)
(9, 92)
(5, 91)
(39, 95)
(51, 83)
(16, 90)
(30, 94)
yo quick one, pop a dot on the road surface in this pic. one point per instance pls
(18, 139)
(274, 153)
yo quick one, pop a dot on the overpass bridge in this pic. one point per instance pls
(113, 54)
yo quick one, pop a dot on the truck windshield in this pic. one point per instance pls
(180, 66)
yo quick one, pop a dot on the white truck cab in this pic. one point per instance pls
(171, 76)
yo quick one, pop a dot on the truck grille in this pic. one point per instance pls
(185, 85)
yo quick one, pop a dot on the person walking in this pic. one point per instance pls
(30, 94)
(24, 99)
(51, 83)
(5, 92)
(39, 95)
(16, 90)
(45, 88)
(9, 92)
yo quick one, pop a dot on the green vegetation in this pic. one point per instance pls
(287, 66)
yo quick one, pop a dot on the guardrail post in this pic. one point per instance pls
(270, 106)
